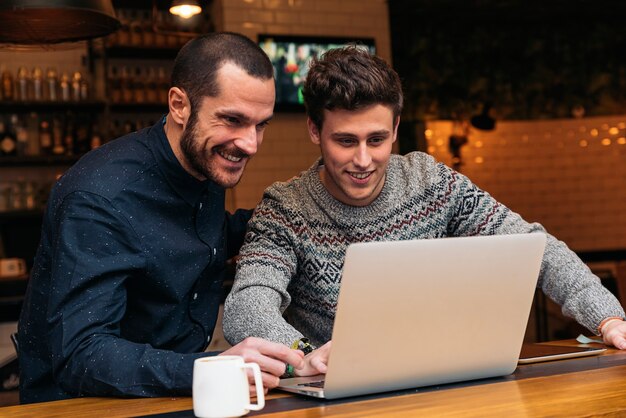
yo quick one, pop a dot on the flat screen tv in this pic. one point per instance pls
(291, 56)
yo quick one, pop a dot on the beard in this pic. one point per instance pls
(201, 159)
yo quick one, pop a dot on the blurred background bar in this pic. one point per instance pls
(528, 99)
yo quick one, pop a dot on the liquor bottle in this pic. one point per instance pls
(23, 82)
(96, 138)
(53, 84)
(114, 129)
(66, 88)
(111, 40)
(115, 83)
(21, 135)
(77, 77)
(57, 137)
(123, 34)
(45, 138)
(128, 127)
(84, 89)
(8, 143)
(30, 201)
(136, 33)
(81, 139)
(126, 86)
(37, 84)
(68, 134)
(152, 94)
(160, 39)
(31, 125)
(170, 24)
(163, 85)
(139, 87)
(7, 86)
(148, 32)
(17, 197)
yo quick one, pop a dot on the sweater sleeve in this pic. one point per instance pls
(259, 295)
(563, 277)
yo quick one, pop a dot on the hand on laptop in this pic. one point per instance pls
(316, 362)
(271, 358)
(614, 333)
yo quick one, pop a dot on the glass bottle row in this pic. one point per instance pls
(39, 85)
(55, 134)
(138, 84)
(141, 29)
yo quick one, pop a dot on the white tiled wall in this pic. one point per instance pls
(569, 175)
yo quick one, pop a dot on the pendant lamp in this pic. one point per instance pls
(35, 22)
(185, 8)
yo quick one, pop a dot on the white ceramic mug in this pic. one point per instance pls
(221, 389)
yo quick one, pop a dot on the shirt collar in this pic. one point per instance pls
(186, 185)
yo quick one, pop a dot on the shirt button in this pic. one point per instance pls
(214, 251)
(208, 340)
(195, 296)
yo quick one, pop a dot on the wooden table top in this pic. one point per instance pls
(577, 387)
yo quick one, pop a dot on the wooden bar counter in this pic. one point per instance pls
(589, 386)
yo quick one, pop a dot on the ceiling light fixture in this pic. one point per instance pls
(185, 8)
(34, 22)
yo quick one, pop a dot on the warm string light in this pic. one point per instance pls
(597, 135)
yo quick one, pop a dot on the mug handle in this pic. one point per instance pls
(260, 396)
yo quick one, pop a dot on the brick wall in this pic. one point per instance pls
(569, 175)
(287, 149)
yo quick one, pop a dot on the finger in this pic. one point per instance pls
(620, 342)
(272, 350)
(253, 391)
(269, 380)
(282, 353)
(319, 364)
(267, 364)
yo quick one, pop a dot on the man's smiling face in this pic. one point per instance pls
(226, 131)
(356, 147)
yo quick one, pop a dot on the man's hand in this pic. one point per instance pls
(316, 362)
(271, 357)
(614, 333)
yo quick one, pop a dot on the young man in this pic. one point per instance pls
(357, 191)
(127, 280)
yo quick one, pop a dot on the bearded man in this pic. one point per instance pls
(127, 280)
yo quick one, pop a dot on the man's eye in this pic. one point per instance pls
(232, 120)
(262, 125)
(376, 140)
(346, 141)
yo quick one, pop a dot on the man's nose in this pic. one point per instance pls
(248, 140)
(362, 157)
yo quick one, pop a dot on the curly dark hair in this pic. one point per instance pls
(350, 78)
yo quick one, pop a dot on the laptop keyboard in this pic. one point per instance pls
(318, 384)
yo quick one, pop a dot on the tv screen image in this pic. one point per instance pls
(291, 57)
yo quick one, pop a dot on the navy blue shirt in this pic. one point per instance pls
(127, 280)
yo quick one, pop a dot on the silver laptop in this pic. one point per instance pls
(428, 312)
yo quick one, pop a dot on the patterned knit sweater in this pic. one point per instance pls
(289, 274)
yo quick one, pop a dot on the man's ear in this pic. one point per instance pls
(314, 133)
(395, 129)
(179, 105)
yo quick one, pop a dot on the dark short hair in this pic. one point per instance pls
(197, 63)
(350, 78)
